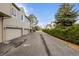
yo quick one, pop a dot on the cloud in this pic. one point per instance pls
(77, 22)
(41, 25)
(27, 10)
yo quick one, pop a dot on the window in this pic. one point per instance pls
(13, 12)
(22, 18)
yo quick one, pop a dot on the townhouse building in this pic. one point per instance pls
(13, 22)
(33, 22)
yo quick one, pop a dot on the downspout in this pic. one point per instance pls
(2, 29)
(30, 26)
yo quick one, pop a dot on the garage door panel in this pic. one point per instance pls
(26, 32)
(12, 33)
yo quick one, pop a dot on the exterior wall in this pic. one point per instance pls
(12, 33)
(14, 26)
(53, 25)
(26, 26)
(14, 21)
(25, 23)
(5, 8)
(0, 30)
(26, 32)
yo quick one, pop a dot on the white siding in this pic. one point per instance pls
(0, 30)
(13, 26)
(14, 21)
(5, 8)
(26, 32)
(12, 33)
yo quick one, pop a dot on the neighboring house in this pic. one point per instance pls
(13, 22)
(33, 22)
(50, 26)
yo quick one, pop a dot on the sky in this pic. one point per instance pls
(45, 12)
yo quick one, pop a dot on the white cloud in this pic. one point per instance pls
(26, 9)
(77, 22)
(41, 25)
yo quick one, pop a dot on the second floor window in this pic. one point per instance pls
(13, 12)
(22, 18)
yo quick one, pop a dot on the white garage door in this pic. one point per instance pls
(12, 33)
(26, 32)
(0, 30)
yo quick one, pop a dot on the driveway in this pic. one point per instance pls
(42, 44)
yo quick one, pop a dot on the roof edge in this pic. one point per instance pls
(16, 6)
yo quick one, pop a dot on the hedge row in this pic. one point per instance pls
(70, 34)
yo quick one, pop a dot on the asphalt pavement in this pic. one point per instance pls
(42, 44)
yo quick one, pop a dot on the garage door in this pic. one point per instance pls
(26, 32)
(0, 30)
(12, 33)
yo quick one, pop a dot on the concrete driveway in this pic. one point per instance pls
(42, 44)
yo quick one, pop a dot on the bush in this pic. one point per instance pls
(70, 34)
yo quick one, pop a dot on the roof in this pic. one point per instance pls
(27, 17)
(16, 6)
(3, 15)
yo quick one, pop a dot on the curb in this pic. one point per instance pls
(46, 46)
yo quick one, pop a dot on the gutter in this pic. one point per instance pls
(16, 6)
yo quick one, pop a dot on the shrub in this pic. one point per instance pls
(70, 34)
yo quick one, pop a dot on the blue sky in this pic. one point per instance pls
(44, 11)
